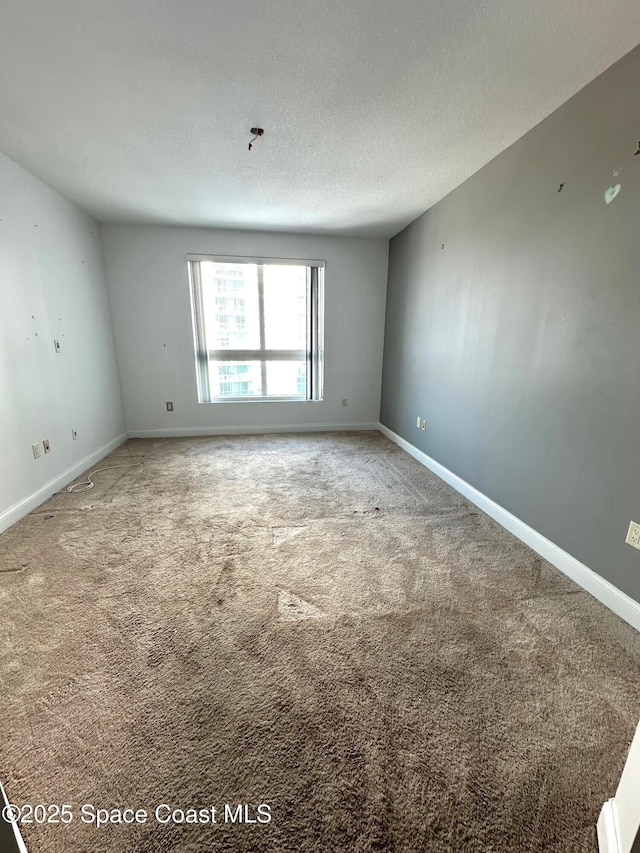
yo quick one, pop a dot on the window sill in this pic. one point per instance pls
(257, 400)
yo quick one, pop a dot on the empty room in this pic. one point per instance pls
(319, 493)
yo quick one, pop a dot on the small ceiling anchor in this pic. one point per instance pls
(257, 131)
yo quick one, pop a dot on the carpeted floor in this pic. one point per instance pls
(311, 622)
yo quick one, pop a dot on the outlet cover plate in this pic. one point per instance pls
(633, 535)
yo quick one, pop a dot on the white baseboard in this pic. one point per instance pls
(608, 829)
(28, 504)
(258, 429)
(598, 587)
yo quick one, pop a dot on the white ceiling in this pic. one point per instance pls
(139, 110)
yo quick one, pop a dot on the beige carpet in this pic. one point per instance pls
(311, 622)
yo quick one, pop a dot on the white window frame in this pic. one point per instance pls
(313, 354)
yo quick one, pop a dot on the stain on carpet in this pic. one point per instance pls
(294, 609)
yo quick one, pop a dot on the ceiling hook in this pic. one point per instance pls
(257, 131)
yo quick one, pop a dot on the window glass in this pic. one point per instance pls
(285, 307)
(287, 378)
(235, 378)
(231, 305)
(257, 329)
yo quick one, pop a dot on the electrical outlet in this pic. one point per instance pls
(57, 346)
(633, 535)
(424, 424)
(169, 406)
(344, 403)
(36, 451)
(74, 434)
(46, 445)
(418, 421)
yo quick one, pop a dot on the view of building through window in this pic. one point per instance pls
(256, 321)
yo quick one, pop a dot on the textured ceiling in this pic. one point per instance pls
(139, 110)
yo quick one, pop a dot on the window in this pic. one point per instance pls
(258, 328)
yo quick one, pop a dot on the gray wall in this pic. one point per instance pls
(519, 342)
(147, 273)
